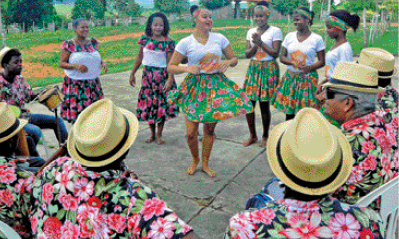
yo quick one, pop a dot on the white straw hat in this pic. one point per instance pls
(309, 155)
(379, 59)
(10, 125)
(102, 134)
(355, 77)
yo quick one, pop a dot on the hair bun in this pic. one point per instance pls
(193, 8)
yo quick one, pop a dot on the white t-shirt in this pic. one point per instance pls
(92, 60)
(304, 51)
(206, 56)
(341, 53)
(268, 37)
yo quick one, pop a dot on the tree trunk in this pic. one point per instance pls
(237, 9)
(364, 28)
(3, 33)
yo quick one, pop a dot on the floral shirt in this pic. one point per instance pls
(375, 154)
(289, 218)
(70, 202)
(17, 93)
(388, 99)
(70, 46)
(15, 190)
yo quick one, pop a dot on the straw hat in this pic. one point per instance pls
(379, 59)
(102, 134)
(3, 52)
(309, 155)
(10, 125)
(355, 77)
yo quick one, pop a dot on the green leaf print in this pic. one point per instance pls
(142, 194)
(52, 209)
(99, 188)
(363, 219)
(60, 214)
(71, 216)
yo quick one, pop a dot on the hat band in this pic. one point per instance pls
(301, 182)
(8, 131)
(385, 73)
(112, 152)
(341, 82)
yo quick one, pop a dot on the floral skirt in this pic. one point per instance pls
(210, 98)
(78, 95)
(295, 91)
(261, 80)
(152, 105)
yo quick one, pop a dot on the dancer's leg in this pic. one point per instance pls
(192, 141)
(159, 133)
(265, 112)
(152, 138)
(251, 125)
(207, 143)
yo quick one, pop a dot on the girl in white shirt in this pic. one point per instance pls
(296, 90)
(206, 95)
(263, 47)
(156, 49)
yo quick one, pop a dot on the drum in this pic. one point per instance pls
(51, 97)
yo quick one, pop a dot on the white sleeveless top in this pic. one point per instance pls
(92, 60)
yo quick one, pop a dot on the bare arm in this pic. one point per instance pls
(315, 66)
(174, 68)
(137, 62)
(273, 52)
(171, 77)
(230, 56)
(250, 51)
(284, 59)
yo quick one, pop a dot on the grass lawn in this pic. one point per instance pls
(120, 54)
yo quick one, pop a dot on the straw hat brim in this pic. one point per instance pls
(22, 123)
(276, 168)
(134, 126)
(353, 88)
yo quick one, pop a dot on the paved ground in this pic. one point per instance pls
(205, 203)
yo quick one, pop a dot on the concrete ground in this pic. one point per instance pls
(204, 203)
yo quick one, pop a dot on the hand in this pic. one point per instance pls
(223, 66)
(194, 69)
(104, 67)
(304, 68)
(168, 85)
(256, 39)
(320, 86)
(321, 97)
(21, 160)
(81, 68)
(132, 80)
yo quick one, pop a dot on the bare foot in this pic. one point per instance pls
(249, 141)
(159, 140)
(191, 170)
(150, 139)
(208, 171)
(263, 143)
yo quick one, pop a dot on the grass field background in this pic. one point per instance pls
(120, 53)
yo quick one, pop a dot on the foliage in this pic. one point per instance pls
(355, 6)
(287, 7)
(171, 6)
(124, 8)
(214, 4)
(88, 9)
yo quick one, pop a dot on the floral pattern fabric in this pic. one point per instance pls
(373, 139)
(261, 80)
(389, 100)
(210, 98)
(71, 202)
(17, 93)
(152, 105)
(15, 190)
(324, 218)
(79, 94)
(295, 91)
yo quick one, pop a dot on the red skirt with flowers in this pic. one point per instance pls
(78, 95)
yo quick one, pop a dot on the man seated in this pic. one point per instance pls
(91, 195)
(14, 90)
(10, 126)
(312, 158)
(15, 182)
(351, 99)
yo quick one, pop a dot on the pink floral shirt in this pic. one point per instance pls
(373, 138)
(71, 202)
(17, 93)
(289, 218)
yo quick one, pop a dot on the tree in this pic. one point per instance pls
(29, 11)
(124, 8)
(214, 4)
(171, 6)
(355, 6)
(287, 7)
(88, 9)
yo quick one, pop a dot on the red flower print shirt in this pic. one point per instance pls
(71, 202)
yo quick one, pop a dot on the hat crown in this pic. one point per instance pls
(353, 73)
(99, 130)
(309, 149)
(377, 58)
(7, 117)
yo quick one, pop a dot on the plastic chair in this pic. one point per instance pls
(8, 231)
(389, 205)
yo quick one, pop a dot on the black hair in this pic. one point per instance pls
(166, 27)
(7, 57)
(118, 164)
(193, 8)
(76, 22)
(290, 193)
(352, 20)
(310, 12)
(262, 3)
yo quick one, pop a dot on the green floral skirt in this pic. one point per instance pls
(261, 80)
(210, 98)
(295, 91)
